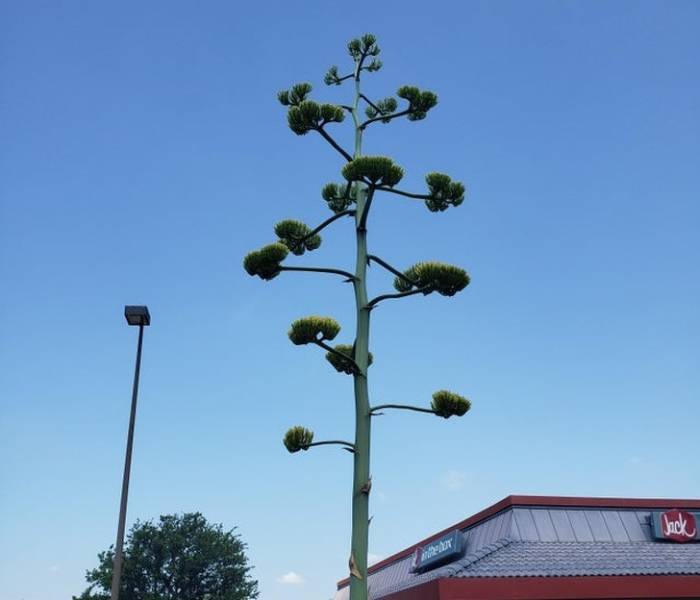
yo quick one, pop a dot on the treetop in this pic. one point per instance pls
(177, 557)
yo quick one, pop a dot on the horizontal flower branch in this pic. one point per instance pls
(422, 290)
(347, 274)
(374, 409)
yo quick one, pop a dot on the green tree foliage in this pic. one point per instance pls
(367, 179)
(181, 557)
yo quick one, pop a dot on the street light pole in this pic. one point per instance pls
(135, 315)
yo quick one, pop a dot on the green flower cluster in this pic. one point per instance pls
(332, 77)
(313, 329)
(447, 404)
(419, 103)
(383, 107)
(309, 115)
(265, 263)
(374, 65)
(443, 192)
(298, 438)
(341, 364)
(376, 170)
(306, 115)
(437, 277)
(363, 46)
(337, 196)
(295, 95)
(295, 236)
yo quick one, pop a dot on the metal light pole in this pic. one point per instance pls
(135, 315)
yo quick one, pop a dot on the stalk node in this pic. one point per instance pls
(367, 487)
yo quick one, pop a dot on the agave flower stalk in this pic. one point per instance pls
(366, 177)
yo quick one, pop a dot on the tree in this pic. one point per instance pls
(365, 179)
(181, 558)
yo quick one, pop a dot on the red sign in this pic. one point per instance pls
(678, 525)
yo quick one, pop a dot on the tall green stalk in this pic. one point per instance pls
(363, 420)
(365, 177)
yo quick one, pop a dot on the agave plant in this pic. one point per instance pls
(365, 179)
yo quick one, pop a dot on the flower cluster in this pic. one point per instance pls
(419, 102)
(363, 46)
(306, 115)
(435, 276)
(298, 438)
(309, 330)
(265, 263)
(295, 95)
(309, 116)
(341, 364)
(443, 192)
(332, 77)
(447, 404)
(375, 170)
(295, 236)
(382, 108)
(337, 196)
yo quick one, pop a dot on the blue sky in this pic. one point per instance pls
(144, 154)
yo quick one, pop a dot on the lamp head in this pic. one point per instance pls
(137, 315)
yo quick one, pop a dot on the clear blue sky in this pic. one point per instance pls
(144, 153)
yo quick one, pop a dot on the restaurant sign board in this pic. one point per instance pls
(437, 552)
(675, 525)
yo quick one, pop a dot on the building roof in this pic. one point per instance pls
(531, 536)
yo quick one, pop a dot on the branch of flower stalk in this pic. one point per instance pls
(350, 276)
(372, 303)
(368, 101)
(402, 193)
(363, 218)
(346, 445)
(373, 410)
(322, 226)
(386, 118)
(391, 269)
(342, 355)
(333, 143)
(359, 68)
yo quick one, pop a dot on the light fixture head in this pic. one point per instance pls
(137, 315)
